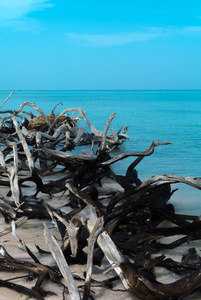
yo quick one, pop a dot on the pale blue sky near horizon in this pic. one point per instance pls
(83, 45)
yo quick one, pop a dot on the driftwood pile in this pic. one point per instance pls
(124, 225)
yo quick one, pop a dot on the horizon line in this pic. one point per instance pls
(20, 90)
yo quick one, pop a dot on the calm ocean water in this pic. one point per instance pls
(170, 116)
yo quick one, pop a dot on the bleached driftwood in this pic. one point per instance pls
(13, 175)
(23, 243)
(91, 242)
(24, 144)
(114, 257)
(7, 99)
(7, 229)
(62, 264)
(66, 155)
(103, 142)
(34, 106)
(82, 115)
(168, 178)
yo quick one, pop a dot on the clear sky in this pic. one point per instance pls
(100, 44)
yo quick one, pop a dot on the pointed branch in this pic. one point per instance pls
(146, 152)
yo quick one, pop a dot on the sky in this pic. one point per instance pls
(93, 44)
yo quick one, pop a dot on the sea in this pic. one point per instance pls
(168, 115)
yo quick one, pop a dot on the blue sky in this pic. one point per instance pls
(107, 44)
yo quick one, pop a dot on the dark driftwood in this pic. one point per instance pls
(123, 225)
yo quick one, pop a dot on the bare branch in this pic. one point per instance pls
(62, 264)
(65, 155)
(111, 252)
(7, 229)
(13, 174)
(103, 142)
(36, 108)
(146, 152)
(24, 144)
(83, 116)
(91, 242)
(194, 182)
(7, 99)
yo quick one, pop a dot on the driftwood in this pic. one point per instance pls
(124, 224)
(63, 266)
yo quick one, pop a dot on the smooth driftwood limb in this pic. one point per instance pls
(114, 135)
(194, 182)
(23, 243)
(108, 247)
(24, 144)
(79, 135)
(2, 160)
(83, 116)
(72, 231)
(13, 174)
(103, 142)
(52, 113)
(65, 155)
(7, 209)
(61, 130)
(62, 264)
(7, 99)
(91, 242)
(34, 106)
(66, 240)
(7, 229)
(146, 152)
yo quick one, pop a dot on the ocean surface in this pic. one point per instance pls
(170, 116)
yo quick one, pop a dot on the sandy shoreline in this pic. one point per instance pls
(31, 232)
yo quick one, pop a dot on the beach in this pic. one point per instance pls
(32, 231)
(32, 234)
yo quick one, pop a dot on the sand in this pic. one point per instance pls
(31, 232)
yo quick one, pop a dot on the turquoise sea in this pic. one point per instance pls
(170, 116)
